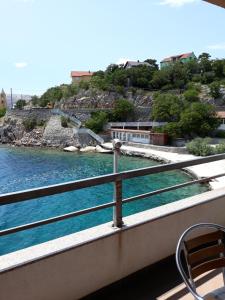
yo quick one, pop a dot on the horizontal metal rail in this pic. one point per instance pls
(171, 188)
(85, 183)
(55, 219)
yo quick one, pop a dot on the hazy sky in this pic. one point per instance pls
(43, 40)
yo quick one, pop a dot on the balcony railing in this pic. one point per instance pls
(117, 203)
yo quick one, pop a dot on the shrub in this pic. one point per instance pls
(172, 129)
(220, 134)
(30, 124)
(20, 104)
(120, 90)
(220, 148)
(97, 121)
(191, 95)
(196, 78)
(215, 89)
(200, 147)
(193, 86)
(41, 123)
(64, 121)
(2, 112)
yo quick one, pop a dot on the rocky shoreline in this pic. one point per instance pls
(47, 132)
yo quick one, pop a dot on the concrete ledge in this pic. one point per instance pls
(71, 267)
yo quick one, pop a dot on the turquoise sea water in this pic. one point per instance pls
(28, 168)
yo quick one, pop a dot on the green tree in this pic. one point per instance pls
(123, 110)
(166, 108)
(191, 68)
(140, 76)
(178, 76)
(83, 84)
(20, 104)
(215, 89)
(97, 121)
(100, 74)
(172, 129)
(112, 68)
(160, 78)
(198, 119)
(52, 95)
(218, 67)
(35, 100)
(205, 64)
(152, 64)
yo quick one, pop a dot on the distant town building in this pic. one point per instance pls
(3, 100)
(131, 64)
(78, 76)
(184, 58)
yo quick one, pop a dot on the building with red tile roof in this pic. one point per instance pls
(78, 76)
(185, 57)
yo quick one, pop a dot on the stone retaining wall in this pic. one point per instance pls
(38, 113)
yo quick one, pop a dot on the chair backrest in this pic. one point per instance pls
(205, 253)
(202, 253)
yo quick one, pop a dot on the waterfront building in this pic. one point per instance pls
(78, 76)
(3, 100)
(139, 136)
(183, 58)
(137, 132)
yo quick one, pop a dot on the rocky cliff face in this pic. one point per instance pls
(105, 100)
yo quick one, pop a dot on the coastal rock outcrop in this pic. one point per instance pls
(48, 132)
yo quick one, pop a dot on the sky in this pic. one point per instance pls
(42, 41)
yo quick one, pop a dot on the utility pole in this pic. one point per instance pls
(11, 99)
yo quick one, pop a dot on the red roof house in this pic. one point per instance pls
(81, 75)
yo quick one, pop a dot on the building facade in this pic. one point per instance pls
(78, 76)
(130, 64)
(139, 136)
(183, 58)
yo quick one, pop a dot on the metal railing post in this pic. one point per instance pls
(117, 211)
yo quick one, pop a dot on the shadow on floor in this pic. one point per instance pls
(148, 284)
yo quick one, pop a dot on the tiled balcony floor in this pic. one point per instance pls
(160, 281)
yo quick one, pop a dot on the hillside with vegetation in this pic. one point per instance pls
(183, 94)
